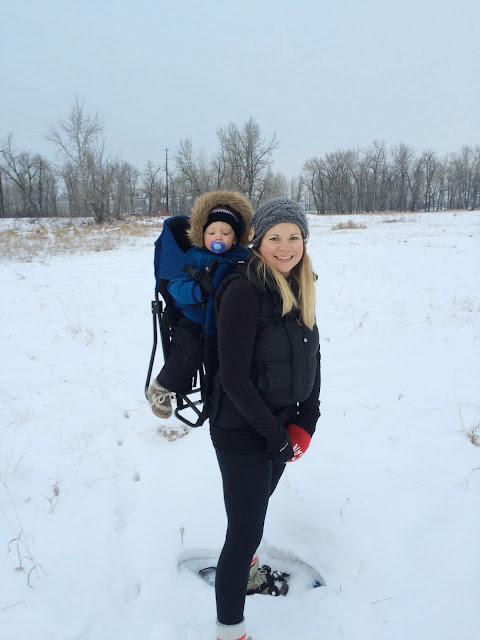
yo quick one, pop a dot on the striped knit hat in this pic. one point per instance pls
(224, 213)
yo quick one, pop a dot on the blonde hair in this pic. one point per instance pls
(304, 275)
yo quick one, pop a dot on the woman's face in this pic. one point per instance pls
(282, 247)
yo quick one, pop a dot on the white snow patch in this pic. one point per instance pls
(96, 506)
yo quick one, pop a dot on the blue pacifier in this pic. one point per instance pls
(217, 246)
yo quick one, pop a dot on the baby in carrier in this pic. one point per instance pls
(219, 227)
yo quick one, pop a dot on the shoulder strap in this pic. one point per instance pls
(196, 274)
(267, 315)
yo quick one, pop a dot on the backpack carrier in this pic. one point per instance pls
(169, 262)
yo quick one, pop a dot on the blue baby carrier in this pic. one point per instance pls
(169, 262)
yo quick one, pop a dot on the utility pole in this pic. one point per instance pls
(166, 178)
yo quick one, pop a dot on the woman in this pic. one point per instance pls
(265, 398)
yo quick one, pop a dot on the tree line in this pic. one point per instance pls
(396, 179)
(88, 181)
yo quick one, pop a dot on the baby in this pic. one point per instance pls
(219, 226)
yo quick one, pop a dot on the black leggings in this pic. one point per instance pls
(248, 482)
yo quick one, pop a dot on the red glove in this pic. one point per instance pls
(300, 440)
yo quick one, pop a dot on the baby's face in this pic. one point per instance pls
(219, 232)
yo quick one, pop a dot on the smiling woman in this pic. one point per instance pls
(265, 398)
(282, 247)
(280, 233)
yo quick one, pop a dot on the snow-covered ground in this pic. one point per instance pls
(98, 506)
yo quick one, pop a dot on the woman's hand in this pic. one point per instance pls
(283, 451)
(300, 440)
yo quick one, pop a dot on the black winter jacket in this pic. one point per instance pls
(269, 367)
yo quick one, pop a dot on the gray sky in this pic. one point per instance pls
(324, 75)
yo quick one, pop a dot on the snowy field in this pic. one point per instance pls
(98, 506)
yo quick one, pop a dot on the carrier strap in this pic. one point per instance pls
(197, 275)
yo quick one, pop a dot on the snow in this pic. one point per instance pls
(98, 506)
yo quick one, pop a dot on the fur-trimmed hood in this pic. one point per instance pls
(205, 203)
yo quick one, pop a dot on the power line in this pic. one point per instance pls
(30, 126)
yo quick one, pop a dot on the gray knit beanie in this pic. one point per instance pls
(274, 212)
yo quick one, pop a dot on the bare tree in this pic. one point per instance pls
(403, 158)
(187, 167)
(153, 186)
(71, 180)
(376, 178)
(33, 179)
(78, 138)
(439, 190)
(2, 199)
(122, 179)
(297, 189)
(315, 179)
(247, 157)
(219, 168)
(465, 170)
(430, 169)
(341, 188)
(476, 178)
(193, 169)
(274, 185)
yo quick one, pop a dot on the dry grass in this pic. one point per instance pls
(472, 432)
(26, 241)
(474, 435)
(350, 224)
(467, 305)
(26, 563)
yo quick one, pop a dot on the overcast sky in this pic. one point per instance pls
(321, 74)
